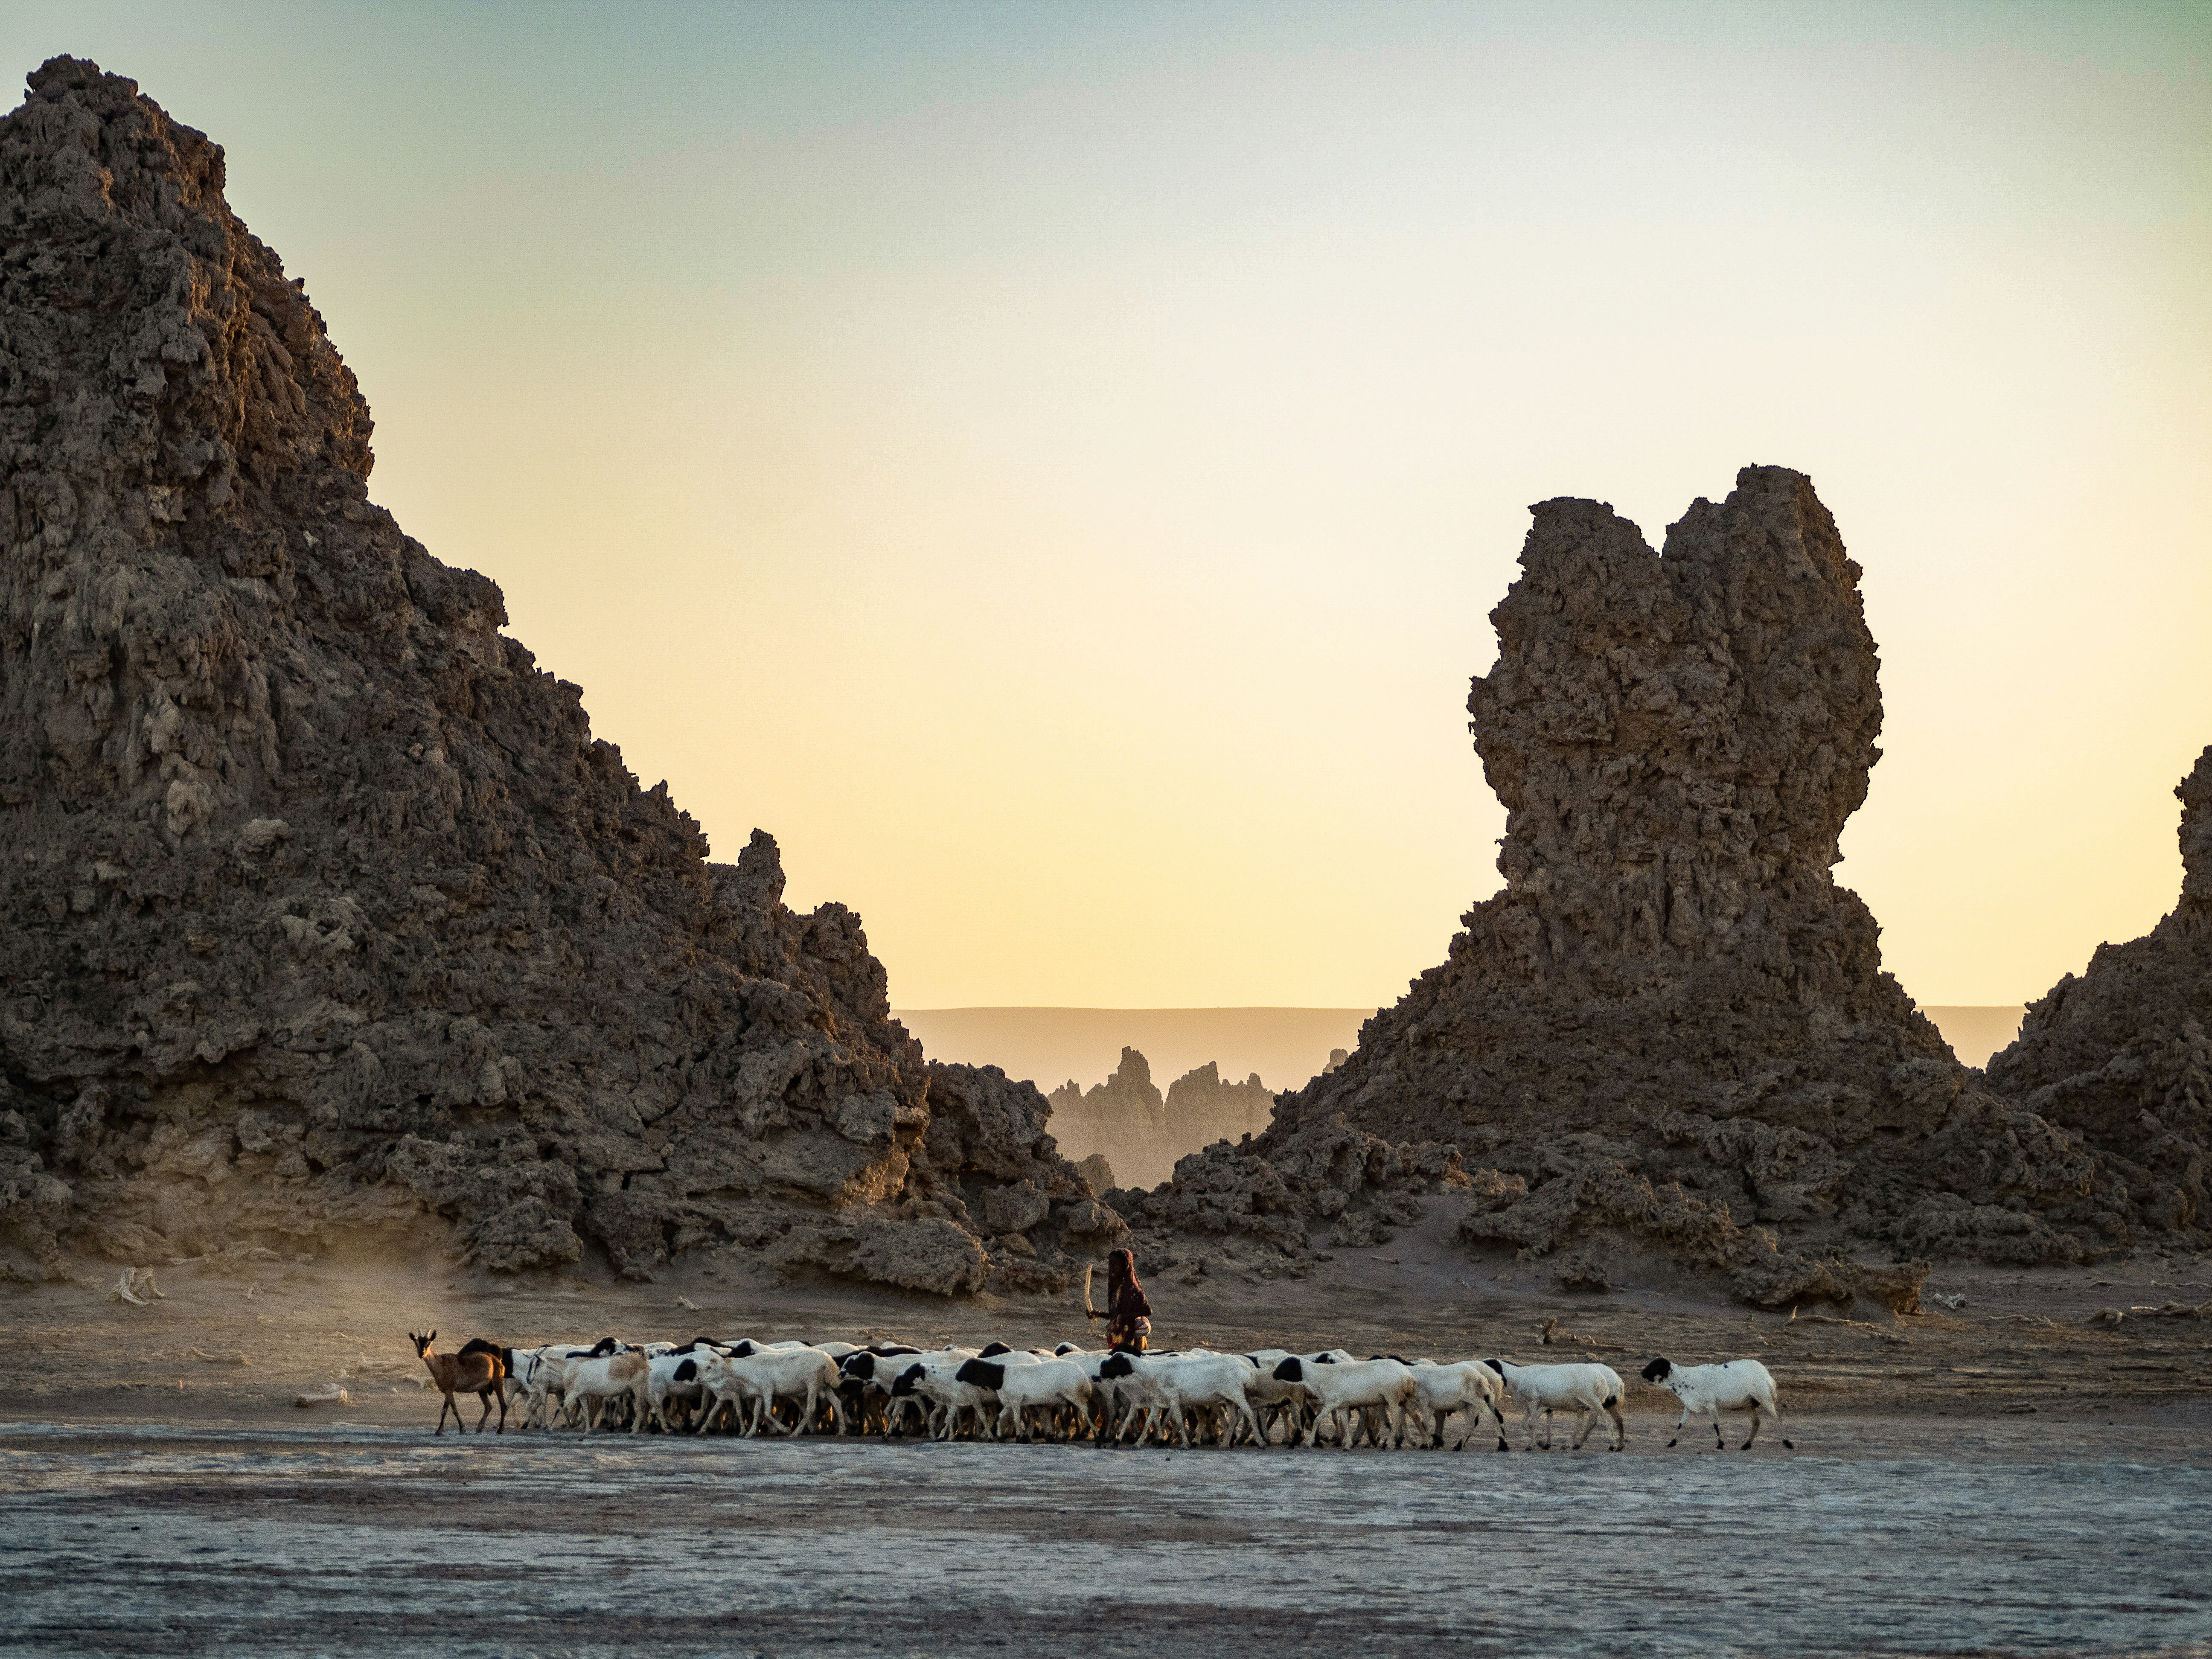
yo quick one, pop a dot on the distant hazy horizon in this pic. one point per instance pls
(1286, 1046)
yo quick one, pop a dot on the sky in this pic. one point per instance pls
(1051, 466)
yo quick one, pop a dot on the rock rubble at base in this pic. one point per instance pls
(327, 914)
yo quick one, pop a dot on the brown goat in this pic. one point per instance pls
(480, 1373)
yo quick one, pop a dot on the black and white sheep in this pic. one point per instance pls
(1733, 1385)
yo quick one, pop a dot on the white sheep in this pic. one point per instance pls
(1585, 1390)
(766, 1374)
(877, 1370)
(1467, 1385)
(1021, 1383)
(589, 1381)
(939, 1383)
(1342, 1387)
(1172, 1383)
(675, 1376)
(1733, 1385)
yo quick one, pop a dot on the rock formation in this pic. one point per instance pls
(324, 910)
(1203, 1109)
(1670, 1040)
(2122, 1055)
(1123, 1119)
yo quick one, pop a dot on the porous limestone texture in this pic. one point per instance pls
(323, 910)
(2122, 1055)
(1669, 1042)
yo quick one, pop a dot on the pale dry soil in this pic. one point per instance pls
(2002, 1477)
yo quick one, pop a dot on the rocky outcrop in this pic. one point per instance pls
(1670, 1037)
(1203, 1107)
(1274, 1193)
(2122, 1055)
(326, 912)
(1124, 1120)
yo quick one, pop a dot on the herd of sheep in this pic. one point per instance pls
(1111, 1398)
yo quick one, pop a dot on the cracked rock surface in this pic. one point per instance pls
(325, 911)
(1669, 1042)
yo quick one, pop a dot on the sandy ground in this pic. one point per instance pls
(2001, 1477)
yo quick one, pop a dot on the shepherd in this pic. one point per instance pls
(1128, 1313)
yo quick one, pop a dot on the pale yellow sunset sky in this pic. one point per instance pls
(1051, 464)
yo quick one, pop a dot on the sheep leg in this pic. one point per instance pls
(1720, 1441)
(1182, 1422)
(1679, 1421)
(1775, 1412)
(1620, 1425)
(1754, 1435)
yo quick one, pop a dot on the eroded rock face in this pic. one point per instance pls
(1127, 1122)
(2123, 1053)
(324, 910)
(1124, 1120)
(1204, 1107)
(1670, 1034)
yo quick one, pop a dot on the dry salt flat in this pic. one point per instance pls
(1932, 1538)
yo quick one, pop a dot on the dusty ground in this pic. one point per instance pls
(2004, 1477)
